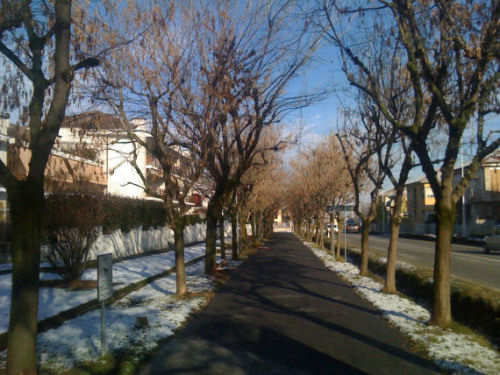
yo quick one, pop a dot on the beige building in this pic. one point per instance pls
(482, 197)
(92, 152)
(420, 202)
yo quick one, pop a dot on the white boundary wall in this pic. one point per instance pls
(138, 241)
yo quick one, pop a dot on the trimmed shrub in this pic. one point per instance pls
(69, 223)
(473, 305)
(127, 213)
(73, 221)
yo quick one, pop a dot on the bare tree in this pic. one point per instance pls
(37, 41)
(451, 52)
(319, 182)
(361, 144)
(248, 55)
(154, 78)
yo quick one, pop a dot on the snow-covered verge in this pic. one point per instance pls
(134, 324)
(458, 353)
(55, 300)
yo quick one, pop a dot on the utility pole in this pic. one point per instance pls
(464, 232)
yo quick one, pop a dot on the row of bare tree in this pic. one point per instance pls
(425, 77)
(209, 78)
(212, 78)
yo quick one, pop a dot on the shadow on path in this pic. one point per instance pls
(283, 312)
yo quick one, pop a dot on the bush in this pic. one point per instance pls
(73, 221)
(127, 213)
(70, 226)
(473, 305)
(71, 247)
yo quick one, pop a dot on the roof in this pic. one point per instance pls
(94, 120)
(493, 158)
(421, 179)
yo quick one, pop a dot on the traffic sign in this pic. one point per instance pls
(343, 208)
(104, 276)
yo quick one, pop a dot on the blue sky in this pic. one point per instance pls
(319, 119)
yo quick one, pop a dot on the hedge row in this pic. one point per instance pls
(81, 210)
(473, 305)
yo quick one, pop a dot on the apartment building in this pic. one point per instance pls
(420, 203)
(93, 152)
(481, 201)
(482, 197)
(64, 171)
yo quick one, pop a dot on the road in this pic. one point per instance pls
(467, 262)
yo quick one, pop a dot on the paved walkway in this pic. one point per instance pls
(283, 312)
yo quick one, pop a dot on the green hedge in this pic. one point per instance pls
(127, 213)
(473, 305)
(66, 210)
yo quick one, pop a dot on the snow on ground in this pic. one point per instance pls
(78, 340)
(454, 352)
(55, 300)
(5, 266)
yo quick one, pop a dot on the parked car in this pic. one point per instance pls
(492, 242)
(327, 229)
(352, 226)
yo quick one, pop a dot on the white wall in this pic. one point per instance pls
(116, 152)
(122, 177)
(138, 241)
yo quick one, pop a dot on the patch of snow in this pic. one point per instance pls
(458, 353)
(5, 266)
(78, 340)
(233, 263)
(54, 300)
(399, 265)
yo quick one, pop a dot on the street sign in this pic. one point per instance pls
(104, 290)
(343, 208)
(104, 276)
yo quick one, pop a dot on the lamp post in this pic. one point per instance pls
(463, 199)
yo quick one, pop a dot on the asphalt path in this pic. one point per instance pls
(283, 312)
(467, 262)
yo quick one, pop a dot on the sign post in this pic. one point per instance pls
(345, 209)
(104, 290)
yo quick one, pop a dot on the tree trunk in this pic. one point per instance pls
(390, 271)
(254, 230)
(213, 213)
(234, 234)
(180, 272)
(243, 231)
(26, 204)
(338, 240)
(222, 238)
(258, 231)
(332, 235)
(268, 224)
(321, 239)
(365, 230)
(259, 225)
(316, 232)
(308, 230)
(445, 216)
